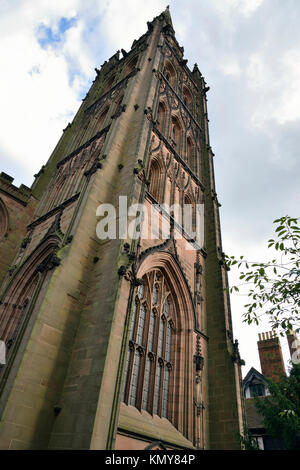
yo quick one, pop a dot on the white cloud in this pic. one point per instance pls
(38, 81)
(276, 84)
(245, 7)
(37, 98)
(230, 66)
(232, 8)
(125, 21)
(41, 85)
(290, 97)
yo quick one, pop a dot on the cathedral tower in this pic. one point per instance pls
(121, 341)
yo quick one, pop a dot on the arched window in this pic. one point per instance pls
(23, 294)
(101, 118)
(187, 98)
(149, 376)
(109, 83)
(189, 215)
(159, 373)
(176, 132)
(155, 180)
(130, 65)
(161, 117)
(189, 152)
(118, 105)
(169, 73)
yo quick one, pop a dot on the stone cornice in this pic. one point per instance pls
(117, 85)
(83, 146)
(53, 211)
(21, 194)
(173, 222)
(9, 194)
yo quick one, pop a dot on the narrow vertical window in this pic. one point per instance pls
(127, 370)
(189, 152)
(176, 132)
(151, 332)
(168, 342)
(132, 321)
(165, 392)
(157, 388)
(141, 324)
(146, 383)
(155, 294)
(155, 180)
(141, 291)
(134, 380)
(161, 117)
(160, 338)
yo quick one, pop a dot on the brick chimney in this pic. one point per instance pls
(294, 346)
(270, 355)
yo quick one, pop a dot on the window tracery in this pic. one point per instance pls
(187, 98)
(189, 152)
(150, 363)
(109, 83)
(130, 65)
(161, 117)
(155, 180)
(176, 131)
(23, 293)
(169, 73)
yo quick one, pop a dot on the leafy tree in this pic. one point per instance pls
(281, 409)
(246, 440)
(274, 285)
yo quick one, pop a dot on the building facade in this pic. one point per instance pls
(121, 342)
(255, 384)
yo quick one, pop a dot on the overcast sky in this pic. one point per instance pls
(249, 54)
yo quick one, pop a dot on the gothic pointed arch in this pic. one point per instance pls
(189, 213)
(159, 367)
(176, 132)
(156, 179)
(187, 97)
(22, 293)
(169, 72)
(101, 117)
(118, 105)
(161, 117)
(130, 65)
(189, 151)
(165, 255)
(109, 83)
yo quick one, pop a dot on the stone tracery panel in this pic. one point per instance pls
(21, 295)
(154, 375)
(69, 176)
(168, 168)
